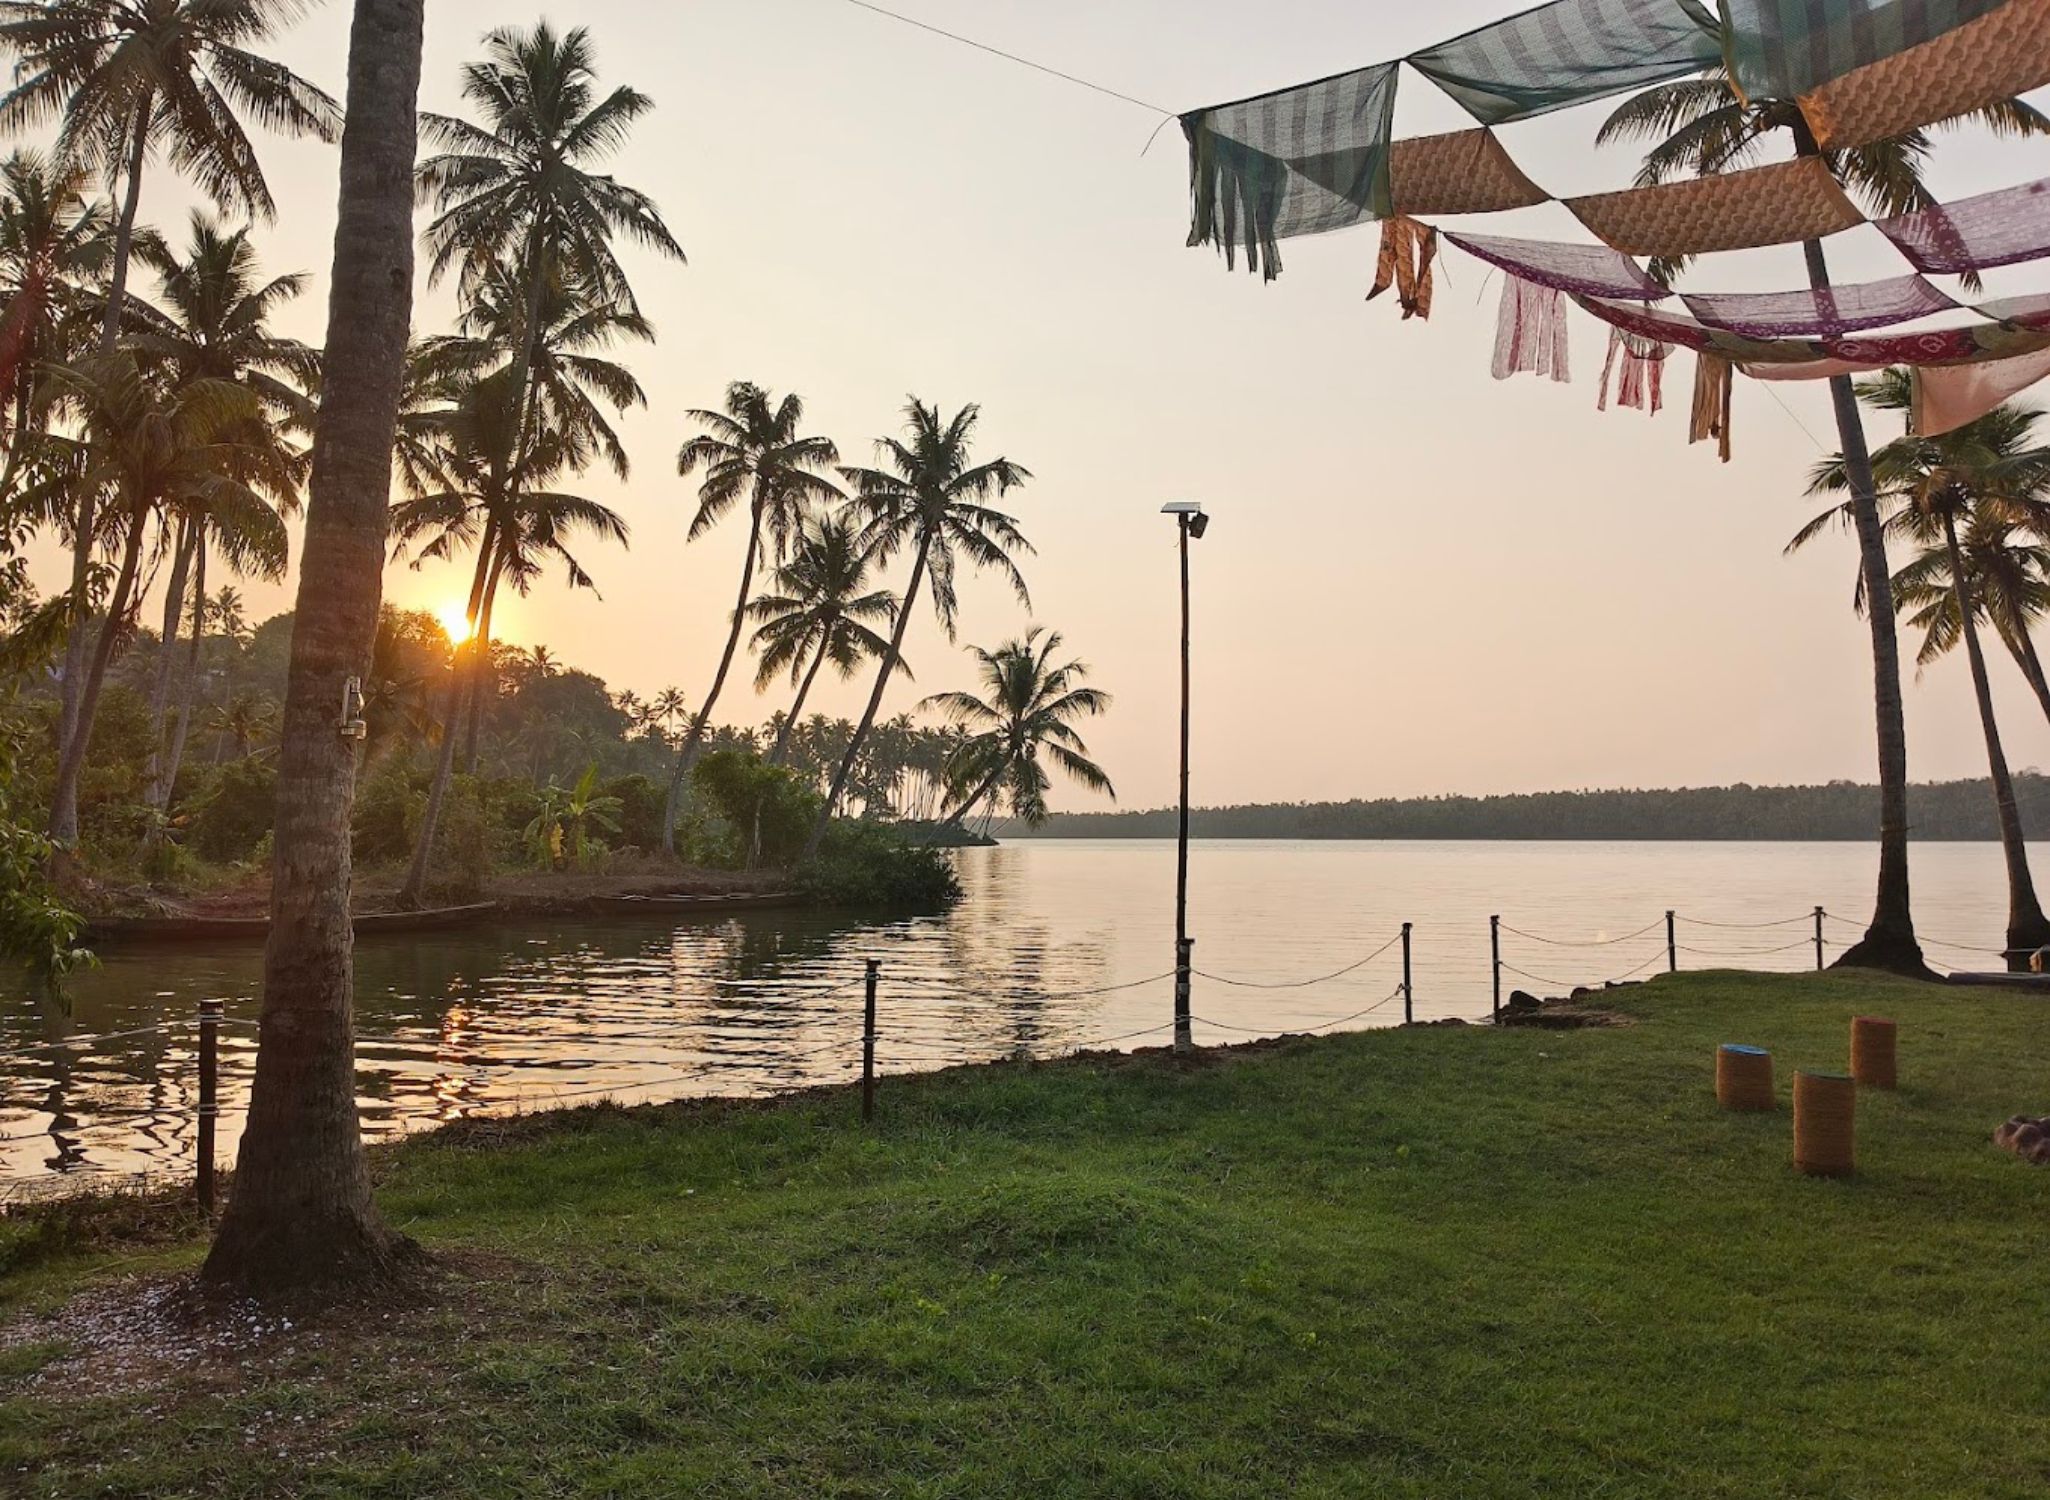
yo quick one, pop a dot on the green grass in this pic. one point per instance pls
(1422, 1263)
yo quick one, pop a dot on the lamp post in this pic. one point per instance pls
(1191, 523)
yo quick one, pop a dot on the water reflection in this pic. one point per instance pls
(496, 1019)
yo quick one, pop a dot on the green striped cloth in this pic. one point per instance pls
(1570, 52)
(1296, 161)
(1780, 49)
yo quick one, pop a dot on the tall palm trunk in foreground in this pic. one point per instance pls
(301, 1216)
(2026, 928)
(1889, 941)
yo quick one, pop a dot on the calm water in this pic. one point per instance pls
(498, 1019)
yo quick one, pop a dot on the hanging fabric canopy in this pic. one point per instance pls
(1977, 234)
(1998, 55)
(1948, 397)
(1298, 161)
(1939, 346)
(1839, 310)
(1466, 172)
(1584, 270)
(1570, 52)
(1771, 205)
(1781, 49)
(2020, 312)
(1320, 156)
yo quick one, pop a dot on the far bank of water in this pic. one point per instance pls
(1058, 944)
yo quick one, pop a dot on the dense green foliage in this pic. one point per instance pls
(1422, 1263)
(865, 865)
(1947, 810)
(38, 930)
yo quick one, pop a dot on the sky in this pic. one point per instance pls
(1417, 580)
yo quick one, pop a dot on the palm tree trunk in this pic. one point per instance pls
(2023, 650)
(1889, 941)
(797, 708)
(484, 677)
(301, 1216)
(875, 701)
(154, 791)
(188, 681)
(460, 676)
(2026, 929)
(73, 722)
(955, 817)
(72, 762)
(688, 751)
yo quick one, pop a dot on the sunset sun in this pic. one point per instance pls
(454, 619)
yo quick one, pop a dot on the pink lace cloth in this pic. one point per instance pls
(1530, 331)
(1977, 234)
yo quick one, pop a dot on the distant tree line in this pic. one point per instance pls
(1953, 811)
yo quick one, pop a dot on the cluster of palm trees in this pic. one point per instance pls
(1972, 507)
(1704, 126)
(151, 435)
(166, 436)
(826, 528)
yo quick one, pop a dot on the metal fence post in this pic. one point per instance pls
(868, 1043)
(1672, 947)
(209, 1096)
(1495, 951)
(1408, 989)
(1820, 963)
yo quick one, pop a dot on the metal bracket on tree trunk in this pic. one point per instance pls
(352, 725)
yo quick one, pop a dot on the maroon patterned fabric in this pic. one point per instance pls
(1978, 234)
(1829, 314)
(1942, 346)
(1581, 270)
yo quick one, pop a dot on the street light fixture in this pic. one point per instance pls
(1190, 522)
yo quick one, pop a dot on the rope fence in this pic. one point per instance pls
(919, 1042)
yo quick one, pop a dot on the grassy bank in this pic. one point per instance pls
(1433, 1262)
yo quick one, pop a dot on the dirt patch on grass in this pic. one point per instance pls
(152, 1335)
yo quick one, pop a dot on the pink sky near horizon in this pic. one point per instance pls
(1418, 580)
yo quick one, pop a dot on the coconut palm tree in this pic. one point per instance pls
(121, 76)
(214, 322)
(301, 1216)
(1991, 469)
(519, 526)
(569, 384)
(753, 450)
(1029, 712)
(521, 190)
(1703, 126)
(2008, 572)
(152, 447)
(54, 247)
(821, 613)
(931, 499)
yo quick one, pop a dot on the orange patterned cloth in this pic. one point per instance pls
(1998, 56)
(1407, 251)
(1466, 172)
(1775, 205)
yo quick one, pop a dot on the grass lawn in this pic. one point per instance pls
(1436, 1262)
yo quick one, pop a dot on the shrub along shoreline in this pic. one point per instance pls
(1416, 1262)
